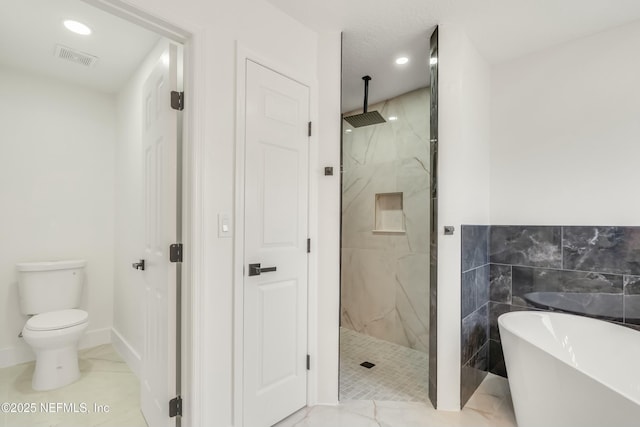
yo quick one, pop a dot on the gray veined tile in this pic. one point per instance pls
(500, 283)
(482, 285)
(632, 300)
(588, 293)
(475, 332)
(603, 249)
(473, 372)
(496, 310)
(468, 293)
(533, 246)
(475, 246)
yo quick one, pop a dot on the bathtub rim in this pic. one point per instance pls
(528, 313)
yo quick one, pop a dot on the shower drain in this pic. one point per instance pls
(368, 365)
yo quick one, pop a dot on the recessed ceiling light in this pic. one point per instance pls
(393, 118)
(347, 131)
(77, 27)
(402, 60)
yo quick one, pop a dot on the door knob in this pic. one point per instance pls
(138, 265)
(255, 269)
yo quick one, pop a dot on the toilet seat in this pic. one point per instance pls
(54, 320)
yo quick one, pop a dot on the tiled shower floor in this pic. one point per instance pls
(400, 374)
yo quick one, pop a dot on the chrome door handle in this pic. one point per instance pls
(138, 265)
(256, 270)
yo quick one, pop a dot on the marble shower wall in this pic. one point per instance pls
(474, 310)
(587, 270)
(385, 276)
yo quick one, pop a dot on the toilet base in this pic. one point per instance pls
(55, 368)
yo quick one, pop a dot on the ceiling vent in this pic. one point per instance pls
(72, 55)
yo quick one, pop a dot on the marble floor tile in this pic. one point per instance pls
(105, 382)
(490, 406)
(400, 374)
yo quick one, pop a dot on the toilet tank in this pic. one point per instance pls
(50, 285)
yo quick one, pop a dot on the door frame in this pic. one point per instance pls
(191, 322)
(244, 53)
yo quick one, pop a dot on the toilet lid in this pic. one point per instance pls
(57, 320)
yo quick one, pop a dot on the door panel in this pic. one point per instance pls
(276, 210)
(280, 216)
(160, 146)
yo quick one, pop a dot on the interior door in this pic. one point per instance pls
(160, 156)
(275, 249)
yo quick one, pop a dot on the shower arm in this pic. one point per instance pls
(366, 93)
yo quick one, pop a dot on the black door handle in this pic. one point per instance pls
(138, 265)
(255, 269)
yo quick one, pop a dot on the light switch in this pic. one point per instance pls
(224, 225)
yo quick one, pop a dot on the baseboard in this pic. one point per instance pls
(94, 338)
(10, 356)
(126, 351)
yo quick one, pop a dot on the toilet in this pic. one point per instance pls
(49, 292)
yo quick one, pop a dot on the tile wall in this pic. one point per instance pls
(385, 275)
(587, 270)
(475, 306)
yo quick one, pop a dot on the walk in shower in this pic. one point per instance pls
(385, 264)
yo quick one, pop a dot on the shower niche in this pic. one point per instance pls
(389, 214)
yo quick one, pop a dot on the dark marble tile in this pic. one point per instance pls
(591, 294)
(496, 359)
(472, 373)
(632, 300)
(468, 293)
(475, 246)
(482, 285)
(500, 283)
(495, 311)
(475, 332)
(603, 249)
(533, 246)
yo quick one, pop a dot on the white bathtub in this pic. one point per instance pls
(567, 370)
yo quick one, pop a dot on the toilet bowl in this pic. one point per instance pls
(54, 337)
(49, 292)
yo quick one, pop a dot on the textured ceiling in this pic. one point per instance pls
(374, 31)
(30, 29)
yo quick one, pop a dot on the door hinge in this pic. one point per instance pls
(175, 407)
(175, 252)
(309, 133)
(308, 246)
(308, 362)
(177, 100)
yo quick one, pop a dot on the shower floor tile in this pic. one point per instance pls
(400, 373)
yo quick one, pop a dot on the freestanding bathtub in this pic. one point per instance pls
(567, 370)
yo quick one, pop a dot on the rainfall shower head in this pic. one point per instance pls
(366, 118)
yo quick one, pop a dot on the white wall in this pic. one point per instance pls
(463, 186)
(325, 220)
(565, 133)
(56, 169)
(261, 28)
(129, 214)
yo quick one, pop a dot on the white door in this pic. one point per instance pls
(276, 206)
(158, 373)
